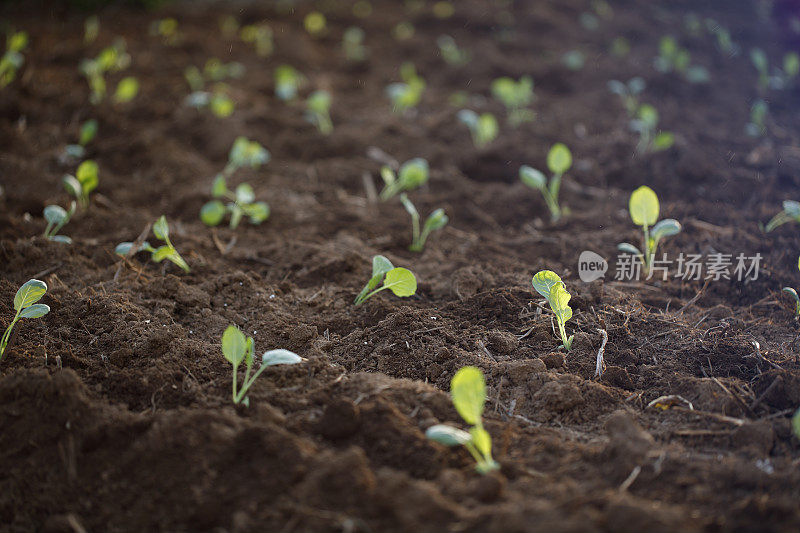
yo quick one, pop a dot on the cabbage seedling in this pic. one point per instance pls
(406, 95)
(353, 44)
(483, 127)
(400, 281)
(628, 93)
(646, 124)
(758, 119)
(644, 208)
(287, 82)
(790, 213)
(318, 108)
(87, 134)
(549, 284)
(12, 60)
(127, 89)
(673, 58)
(516, 96)
(84, 181)
(435, 221)
(26, 307)
(559, 161)
(167, 29)
(468, 392)
(315, 23)
(574, 60)
(238, 349)
(111, 59)
(451, 53)
(412, 174)
(217, 101)
(166, 251)
(57, 217)
(260, 36)
(241, 203)
(246, 153)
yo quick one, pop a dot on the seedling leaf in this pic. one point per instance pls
(644, 206)
(35, 311)
(401, 282)
(559, 159)
(448, 435)
(468, 390)
(31, 292)
(532, 178)
(280, 357)
(234, 345)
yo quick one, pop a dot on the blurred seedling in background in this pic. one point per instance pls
(644, 209)
(353, 44)
(403, 31)
(91, 29)
(406, 95)
(245, 153)
(260, 36)
(315, 24)
(646, 125)
(468, 392)
(166, 29)
(238, 349)
(549, 285)
(574, 60)
(216, 99)
(779, 79)
(757, 126)
(77, 151)
(166, 251)
(111, 59)
(629, 93)
(12, 59)
(26, 307)
(790, 213)
(516, 96)
(57, 217)
(451, 53)
(127, 89)
(435, 221)
(85, 180)
(793, 293)
(673, 58)
(241, 203)
(724, 41)
(400, 281)
(287, 82)
(483, 128)
(318, 107)
(620, 47)
(412, 174)
(559, 161)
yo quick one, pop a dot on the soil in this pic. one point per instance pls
(115, 409)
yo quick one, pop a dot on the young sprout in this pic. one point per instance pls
(435, 221)
(483, 127)
(549, 284)
(516, 96)
(91, 29)
(790, 213)
(646, 124)
(413, 173)
(318, 108)
(126, 91)
(287, 82)
(403, 31)
(216, 70)
(237, 348)
(673, 58)
(315, 23)
(406, 95)
(628, 93)
(400, 281)
(83, 182)
(26, 307)
(111, 59)
(57, 217)
(12, 60)
(759, 59)
(353, 44)
(260, 36)
(167, 29)
(241, 203)
(451, 53)
(574, 60)
(87, 134)
(644, 209)
(166, 251)
(793, 293)
(468, 392)
(217, 101)
(246, 153)
(559, 161)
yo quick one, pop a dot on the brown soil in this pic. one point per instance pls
(115, 410)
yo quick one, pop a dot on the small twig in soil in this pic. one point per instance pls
(694, 298)
(47, 271)
(486, 350)
(764, 394)
(742, 404)
(758, 353)
(601, 364)
(630, 479)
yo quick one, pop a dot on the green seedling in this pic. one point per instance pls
(400, 281)
(127, 89)
(759, 59)
(218, 101)
(574, 60)
(549, 284)
(403, 31)
(246, 153)
(91, 29)
(229, 26)
(468, 392)
(166, 29)
(483, 128)
(451, 53)
(287, 82)
(111, 59)
(724, 41)
(315, 24)
(757, 126)
(790, 213)
(559, 161)
(238, 349)
(793, 293)
(85, 180)
(57, 217)
(353, 45)
(406, 95)
(413, 173)
(216, 70)
(260, 36)
(673, 58)
(241, 203)
(620, 47)
(780, 78)
(318, 108)
(166, 251)
(435, 221)
(644, 209)
(26, 307)
(646, 125)
(628, 93)
(12, 60)
(516, 96)
(87, 134)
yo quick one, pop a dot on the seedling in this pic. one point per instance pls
(780, 78)
(111, 59)
(260, 36)
(646, 124)
(406, 95)
(57, 217)
(549, 284)
(91, 29)
(559, 161)
(400, 281)
(241, 203)
(238, 349)
(12, 60)
(644, 208)
(483, 127)
(87, 134)
(793, 293)
(435, 221)
(127, 89)
(26, 307)
(759, 59)
(790, 213)
(673, 58)
(468, 392)
(516, 96)
(167, 29)
(318, 108)
(287, 82)
(413, 173)
(628, 93)
(216, 70)
(217, 100)
(451, 53)
(403, 31)
(246, 153)
(353, 44)
(166, 251)
(315, 23)
(84, 181)
(574, 60)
